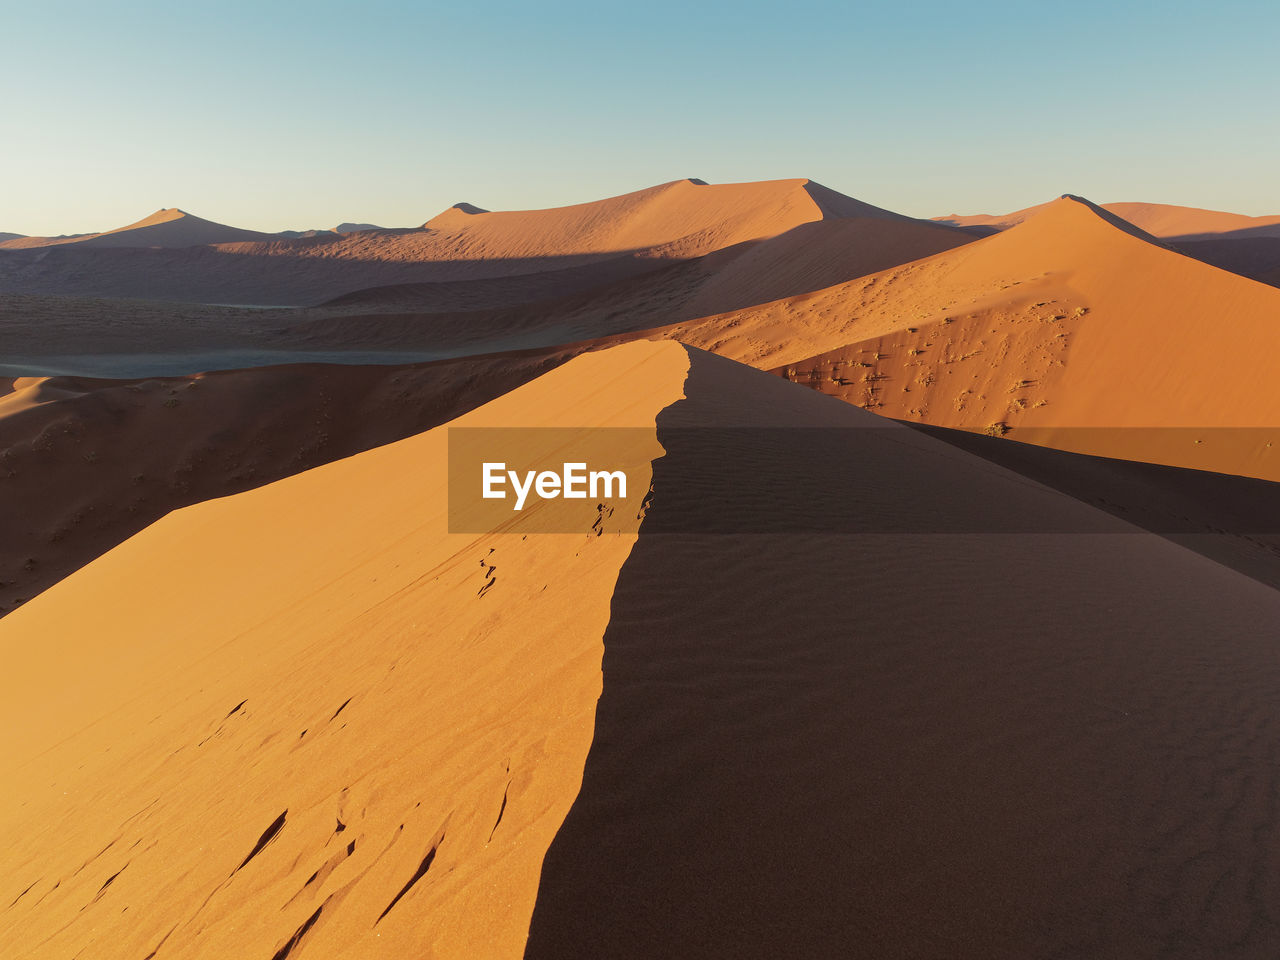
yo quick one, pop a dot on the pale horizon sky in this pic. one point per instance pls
(289, 115)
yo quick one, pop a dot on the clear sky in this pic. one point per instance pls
(292, 115)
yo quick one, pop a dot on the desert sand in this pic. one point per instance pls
(938, 619)
(833, 735)
(167, 227)
(1071, 329)
(1249, 246)
(1158, 219)
(632, 234)
(377, 703)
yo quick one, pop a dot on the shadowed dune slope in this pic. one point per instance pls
(308, 719)
(1064, 330)
(1257, 258)
(904, 743)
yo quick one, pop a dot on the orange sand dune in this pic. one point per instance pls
(85, 464)
(829, 670)
(1053, 331)
(809, 257)
(1192, 223)
(642, 230)
(681, 219)
(1158, 219)
(169, 227)
(331, 724)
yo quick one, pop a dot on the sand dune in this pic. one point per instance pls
(902, 743)
(85, 464)
(681, 219)
(1158, 219)
(340, 228)
(806, 258)
(1249, 246)
(307, 720)
(1192, 223)
(354, 747)
(667, 223)
(1065, 330)
(168, 227)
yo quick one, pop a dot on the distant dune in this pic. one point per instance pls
(307, 720)
(170, 228)
(340, 228)
(806, 258)
(1249, 246)
(1158, 219)
(646, 229)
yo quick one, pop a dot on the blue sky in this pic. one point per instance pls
(276, 115)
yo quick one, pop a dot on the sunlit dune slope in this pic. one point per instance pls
(1249, 246)
(684, 218)
(85, 464)
(1055, 329)
(1158, 219)
(809, 257)
(306, 717)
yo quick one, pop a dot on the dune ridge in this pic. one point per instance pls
(1164, 220)
(402, 704)
(824, 744)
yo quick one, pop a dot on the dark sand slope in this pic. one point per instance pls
(903, 744)
(1255, 257)
(1233, 520)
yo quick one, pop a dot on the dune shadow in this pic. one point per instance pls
(897, 743)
